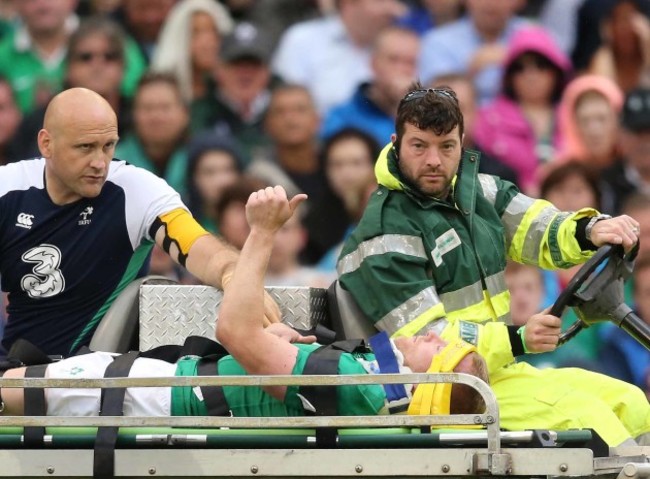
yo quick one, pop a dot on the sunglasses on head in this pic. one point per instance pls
(417, 94)
(87, 57)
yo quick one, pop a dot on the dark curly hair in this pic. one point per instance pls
(435, 109)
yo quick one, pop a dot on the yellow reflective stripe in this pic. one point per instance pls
(570, 252)
(410, 310)
(390, 243)
(463, 297)
(417, 325)
(501, 306)
(182, 229)
(529, 231)
(489, 187)
(496, 283)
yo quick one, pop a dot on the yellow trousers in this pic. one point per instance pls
(569, 398)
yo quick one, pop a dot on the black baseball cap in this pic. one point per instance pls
(635, 115)
(247, 41)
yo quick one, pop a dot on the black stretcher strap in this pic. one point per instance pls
(112, 404)
(213, 396)
(325, 360)
(35, 406)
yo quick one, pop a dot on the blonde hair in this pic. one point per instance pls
(173, 51)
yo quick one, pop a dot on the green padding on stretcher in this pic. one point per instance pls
(213, 431)
(287, 439)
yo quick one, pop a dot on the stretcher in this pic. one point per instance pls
(318, 446)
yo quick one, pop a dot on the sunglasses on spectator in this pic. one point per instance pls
(540, 63)
(87, 57)
(417, 94)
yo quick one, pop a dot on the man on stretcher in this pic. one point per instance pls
(256, 350)
(279, 350)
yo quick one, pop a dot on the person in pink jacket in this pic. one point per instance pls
(519, 128)
(588, 119)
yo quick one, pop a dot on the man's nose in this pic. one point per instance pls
(433, 158)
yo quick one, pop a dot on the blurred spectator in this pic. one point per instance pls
(632, 172)
(637, 206)
(231, 210)
(622, 356)
(8, 17)
(331, 55)
(94, 60)
(373, 106)
(519, 128)
(10, 117)
(475, 44)
(526, 285)
(423, 15)
(160, 123)
(292, 125)
(162, 264)
(274, 16)
(214, 164)
(569, 186)
(284, 268)
(243, 90)
(143, 20)
(89, 8)
(466, 94)
(31, 57)
(624, 55)
(189, 43)
(560, 17)
(348, 159)
(588, 118)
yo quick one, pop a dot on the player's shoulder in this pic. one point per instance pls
(128, 176)
(22, 175)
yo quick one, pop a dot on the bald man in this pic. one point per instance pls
(77, 225)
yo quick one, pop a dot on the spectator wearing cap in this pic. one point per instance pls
(331, 55)
(243, 90)
(214, 164)
(631, 173)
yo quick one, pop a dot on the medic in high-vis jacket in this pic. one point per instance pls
(433, 242)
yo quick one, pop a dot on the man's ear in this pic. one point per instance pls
(45, 143)
(393, 138)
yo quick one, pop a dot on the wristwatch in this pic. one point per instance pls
(592, 222)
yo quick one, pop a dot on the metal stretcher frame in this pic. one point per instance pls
(170, 313)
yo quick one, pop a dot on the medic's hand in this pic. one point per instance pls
(268, 209)
(623, 230)
(290, 335)
(542, 332)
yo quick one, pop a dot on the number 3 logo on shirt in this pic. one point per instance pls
(47, 279)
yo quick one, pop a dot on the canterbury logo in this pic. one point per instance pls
(24, 220)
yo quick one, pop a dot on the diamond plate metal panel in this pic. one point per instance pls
(168, 314)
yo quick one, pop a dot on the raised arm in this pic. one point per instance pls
(239, 327)
(207, 257)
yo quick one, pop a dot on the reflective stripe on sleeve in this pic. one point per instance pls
(489, 187)
(413, 314)
(389, 243)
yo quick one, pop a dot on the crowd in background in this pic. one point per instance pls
(222, 97)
